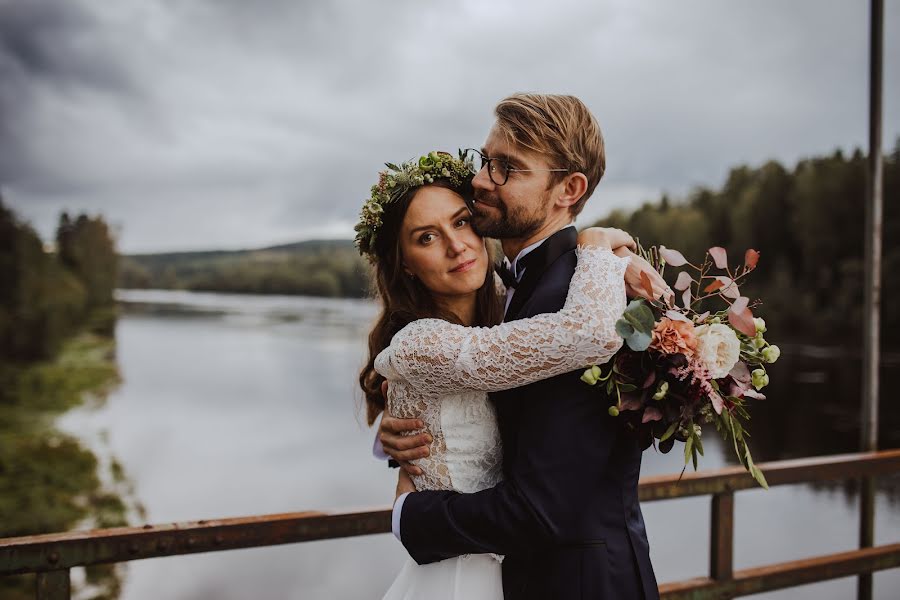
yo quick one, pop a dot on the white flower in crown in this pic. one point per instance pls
(718, 348)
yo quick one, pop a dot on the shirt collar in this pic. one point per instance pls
(522, 253)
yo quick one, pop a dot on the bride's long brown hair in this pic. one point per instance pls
(404, 299)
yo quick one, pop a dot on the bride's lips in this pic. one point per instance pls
(463, 267)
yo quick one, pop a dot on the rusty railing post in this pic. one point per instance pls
(721, 539)
(53, 585)
(872, 288)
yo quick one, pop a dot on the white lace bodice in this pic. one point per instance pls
(441, 372)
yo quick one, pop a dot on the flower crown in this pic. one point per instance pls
(397, 181)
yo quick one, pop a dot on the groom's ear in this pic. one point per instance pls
(571, 189)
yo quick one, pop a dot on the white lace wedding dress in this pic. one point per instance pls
(441, 373)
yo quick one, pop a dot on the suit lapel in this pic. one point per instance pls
(537, 262)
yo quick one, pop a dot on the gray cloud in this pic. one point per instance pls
(233, 124)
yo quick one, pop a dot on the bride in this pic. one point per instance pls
(440, 345)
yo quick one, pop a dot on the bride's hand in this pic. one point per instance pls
(404, 484)
(634, 286)
(606, 237)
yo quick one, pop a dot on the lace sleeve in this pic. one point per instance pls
(440, 357)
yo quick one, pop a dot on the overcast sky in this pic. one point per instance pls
(230, 124)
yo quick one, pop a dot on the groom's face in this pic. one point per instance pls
(520, 207)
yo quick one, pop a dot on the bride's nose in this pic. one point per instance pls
(455, 245)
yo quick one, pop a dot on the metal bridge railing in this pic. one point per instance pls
(51, 556)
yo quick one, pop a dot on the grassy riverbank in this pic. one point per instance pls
(49, 481)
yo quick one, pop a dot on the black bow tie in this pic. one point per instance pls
(506, 274)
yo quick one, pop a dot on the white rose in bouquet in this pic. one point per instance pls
(718, 348)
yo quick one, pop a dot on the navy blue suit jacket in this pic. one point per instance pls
(566, 516)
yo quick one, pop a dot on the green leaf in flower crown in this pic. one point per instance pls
(392, 166)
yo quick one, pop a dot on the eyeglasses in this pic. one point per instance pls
(498, 168)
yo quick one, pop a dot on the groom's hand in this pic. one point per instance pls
(634, 288)
(403, 448)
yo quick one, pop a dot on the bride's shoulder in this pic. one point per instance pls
(420, 331)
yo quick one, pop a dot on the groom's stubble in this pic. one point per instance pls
(493, 218)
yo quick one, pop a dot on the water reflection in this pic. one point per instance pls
(814, 409)
(51, 481)
(238, 405)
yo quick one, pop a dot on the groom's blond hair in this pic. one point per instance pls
(561, 128)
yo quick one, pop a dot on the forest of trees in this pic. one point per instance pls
(807, 224)
(57, 317)
(331, 268)
(46, 296)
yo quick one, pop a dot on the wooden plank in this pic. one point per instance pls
(58, 551)
(823, 468)
(784, 575)
(41, 553)
(721, 542)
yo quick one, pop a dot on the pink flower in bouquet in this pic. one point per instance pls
(674, 337)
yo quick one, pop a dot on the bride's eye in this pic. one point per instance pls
(462, 222)
(426, 238)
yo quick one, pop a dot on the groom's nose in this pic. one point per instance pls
(482, 180)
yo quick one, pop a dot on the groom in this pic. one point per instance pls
(566, 517)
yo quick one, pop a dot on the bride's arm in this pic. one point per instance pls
(439, 356)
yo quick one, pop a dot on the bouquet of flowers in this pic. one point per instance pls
(679, 369)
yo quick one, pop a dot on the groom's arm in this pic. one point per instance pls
(436, 525)
(540, 505)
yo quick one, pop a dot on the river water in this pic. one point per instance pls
(246, 405)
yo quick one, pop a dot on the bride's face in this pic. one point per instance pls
(439, 246)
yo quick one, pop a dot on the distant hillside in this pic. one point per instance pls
(310, 268)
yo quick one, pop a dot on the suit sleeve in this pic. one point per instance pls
(534, 509)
